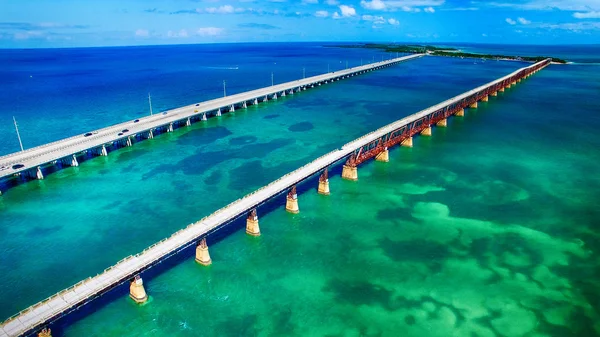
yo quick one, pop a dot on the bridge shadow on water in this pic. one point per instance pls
(184, 255)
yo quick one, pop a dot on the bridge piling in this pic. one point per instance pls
(150, 134)
(291, 204)
(188, 122)
(323, 188)
(443, 123)
(137, 291)
(103, 151)
(128, 142)
(426, 131)
(408, 142)
(39, 174)
(473, 106)
(202, 255)
(218, 113)
(349, 172)
(46, 332)
(170, 127)
(204, 116)
(74, 161)
(383, 156)
(485, 98)
(252, 227)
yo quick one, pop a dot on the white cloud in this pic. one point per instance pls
(142, 33)
(180, 34)
(336, 15)
(374, 4)
(393, 22)
(332, 2)
(484, 35)
(524, 21)
(209, 31)
(226, 9)
(32, 34)
(321, 14)
(429, 10)
(511, 21)
(573, 27)
(310, 1)
(410, 9)
(375, 19)
(587, 15)
(549, 5)
(347, 11)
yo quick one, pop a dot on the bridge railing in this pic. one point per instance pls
(336, 155)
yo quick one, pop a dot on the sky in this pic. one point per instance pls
(87, 23)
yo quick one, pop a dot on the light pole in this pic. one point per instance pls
(272, 81)
(150, 103)
(224, 90)
(18, 135)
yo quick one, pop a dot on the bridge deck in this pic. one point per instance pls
(47, 153)
(69, 299)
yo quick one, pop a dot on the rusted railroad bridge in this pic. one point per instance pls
(37, 318)
(35, 163)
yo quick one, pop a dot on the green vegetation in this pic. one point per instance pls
(443, 51)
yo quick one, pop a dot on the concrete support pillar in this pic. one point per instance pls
(137, 291)
(255, 101)
(485, 98)
(283, 94)
(443, 123)
(39, 175)
(74, 161)
(407, 142)
(266, 98)
(460, 113)
(501, 89)
(350, 172)
(473, 106)
(291, 91)
(150, 134)
(170, 127)
(188, 122)
(45, 332)
(383, 156)
(324, 183)
(252, 227)
(219, 112)
(103, 151)
(275, 96)
(244, 106)
(128, 142)
(495, 93)
(204, 116)
(232, 108)
(426, 131)
(291, 203)
(202, 255)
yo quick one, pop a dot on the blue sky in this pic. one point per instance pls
(62, 23)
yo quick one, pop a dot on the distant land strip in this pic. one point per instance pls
(446, 51)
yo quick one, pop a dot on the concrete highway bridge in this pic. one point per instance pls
(34, 163)
(38, 319)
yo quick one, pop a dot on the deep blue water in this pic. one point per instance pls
(516, 169)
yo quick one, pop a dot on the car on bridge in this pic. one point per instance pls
(125, 130)
(17, 166)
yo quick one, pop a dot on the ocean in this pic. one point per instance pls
(487, 228)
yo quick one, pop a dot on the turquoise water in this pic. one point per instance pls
(484, 229)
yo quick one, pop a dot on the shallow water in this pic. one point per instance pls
(487, 228)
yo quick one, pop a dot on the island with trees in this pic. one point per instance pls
(446, 51)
